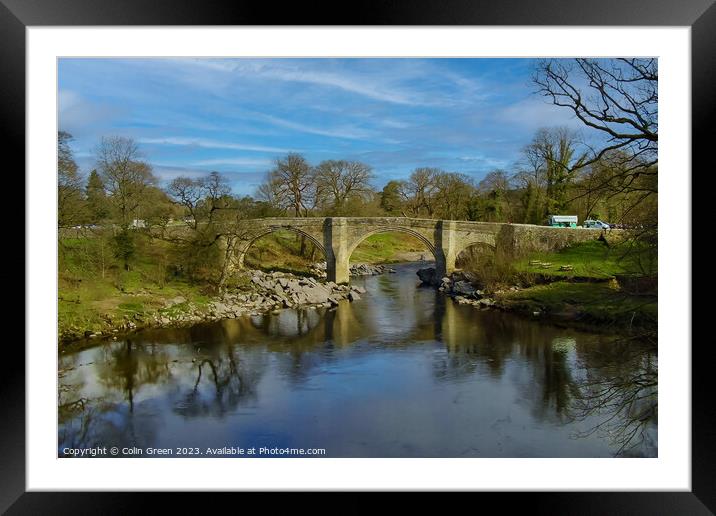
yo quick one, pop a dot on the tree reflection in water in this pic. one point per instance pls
(620, 389)
(608, 383)
(399, 366)
(232, 381)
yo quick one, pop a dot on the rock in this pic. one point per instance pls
(427, 275)
(353, 296)
(219, 308)
(366, 269)
(464, 288)
(316, 294)
(358, 289)
(356, 269)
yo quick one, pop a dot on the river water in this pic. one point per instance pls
(402, 372)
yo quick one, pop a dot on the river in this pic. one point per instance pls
(402, 372)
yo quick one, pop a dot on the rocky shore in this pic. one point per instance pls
(356, 269)
(458, 285)
(260, 292)
(274, 291)
(587, 306)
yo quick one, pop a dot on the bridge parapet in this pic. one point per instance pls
(338, 237)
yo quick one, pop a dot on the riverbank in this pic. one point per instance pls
(597, 306)
(364, 362)
(254, 292)
(584, 286)
(97, 298)
(587, 286)
(594, 306)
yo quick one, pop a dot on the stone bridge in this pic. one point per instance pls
(338, 237)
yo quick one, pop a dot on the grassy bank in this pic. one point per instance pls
(96, 294)
(604, 305)
(388, 248)
(588, 260)
(584, 284)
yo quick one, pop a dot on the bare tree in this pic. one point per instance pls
(70, 209)
(452, 194)
(555, 161)
(418, 191)
(214, 216)
(188, 193)
(290, 185)
(618, 98)
(339, 181)
(124, 174)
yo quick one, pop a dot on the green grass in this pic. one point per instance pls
(280, 250)
(93, 298)
(387, 248)
(95, 292)
(590, 260)
(594, 303)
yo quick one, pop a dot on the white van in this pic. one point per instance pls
(562, 221)
(596, 224)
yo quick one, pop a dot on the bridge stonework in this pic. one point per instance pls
(338, 237)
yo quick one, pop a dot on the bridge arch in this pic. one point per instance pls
(474, 249)
(247, 242)
(390, 229)
(482, 241)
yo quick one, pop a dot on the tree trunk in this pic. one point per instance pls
(226, 266)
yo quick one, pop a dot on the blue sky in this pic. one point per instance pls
(236, 116)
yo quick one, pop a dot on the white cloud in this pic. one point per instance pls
(79, 116)
(533, 113)
(231, 161)
(67, 99)
(208, 143)
(376, 87)
(351, 133)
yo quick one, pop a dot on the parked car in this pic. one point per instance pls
(596, 224)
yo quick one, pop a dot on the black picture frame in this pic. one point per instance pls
(700, 15)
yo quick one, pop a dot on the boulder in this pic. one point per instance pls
(175, 301)
(316, 294)
(464, 288)
(427, 275)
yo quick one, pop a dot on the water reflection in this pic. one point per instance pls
(403, 372)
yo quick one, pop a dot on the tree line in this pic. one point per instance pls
(549, 178)
(557, 172)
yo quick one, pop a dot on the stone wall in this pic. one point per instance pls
(525, 238)
(338, 237)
